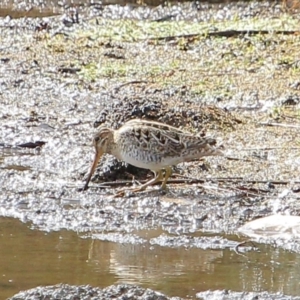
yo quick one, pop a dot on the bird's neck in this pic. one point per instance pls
(112, 147)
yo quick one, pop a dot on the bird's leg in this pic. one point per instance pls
(158, 176)
(168, 173)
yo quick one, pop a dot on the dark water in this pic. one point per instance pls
(30, 258)
(29, 8)
(46, 8)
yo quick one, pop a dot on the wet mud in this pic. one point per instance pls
(63, 76)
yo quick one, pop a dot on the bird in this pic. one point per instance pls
(151, 145)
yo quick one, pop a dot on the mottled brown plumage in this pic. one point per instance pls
(151, 145)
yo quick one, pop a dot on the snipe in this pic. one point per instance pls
(151, 145)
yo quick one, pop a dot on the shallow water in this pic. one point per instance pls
(41, 184)
(48, 8)
(30, 258)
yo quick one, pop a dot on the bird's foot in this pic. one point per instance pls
(122, 192)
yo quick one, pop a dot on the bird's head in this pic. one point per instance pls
(102, 141)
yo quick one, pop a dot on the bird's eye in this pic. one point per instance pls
(96, 139)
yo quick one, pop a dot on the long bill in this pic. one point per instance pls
(98, 155)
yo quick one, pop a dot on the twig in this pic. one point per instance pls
(217, 189)
(226, 33)
(279, 125)
(266, 148)
(193, 181)
(236, 248)
(240, 159)
(128, 83)
(248, 191)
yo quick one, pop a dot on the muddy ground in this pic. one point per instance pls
(62, 76)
